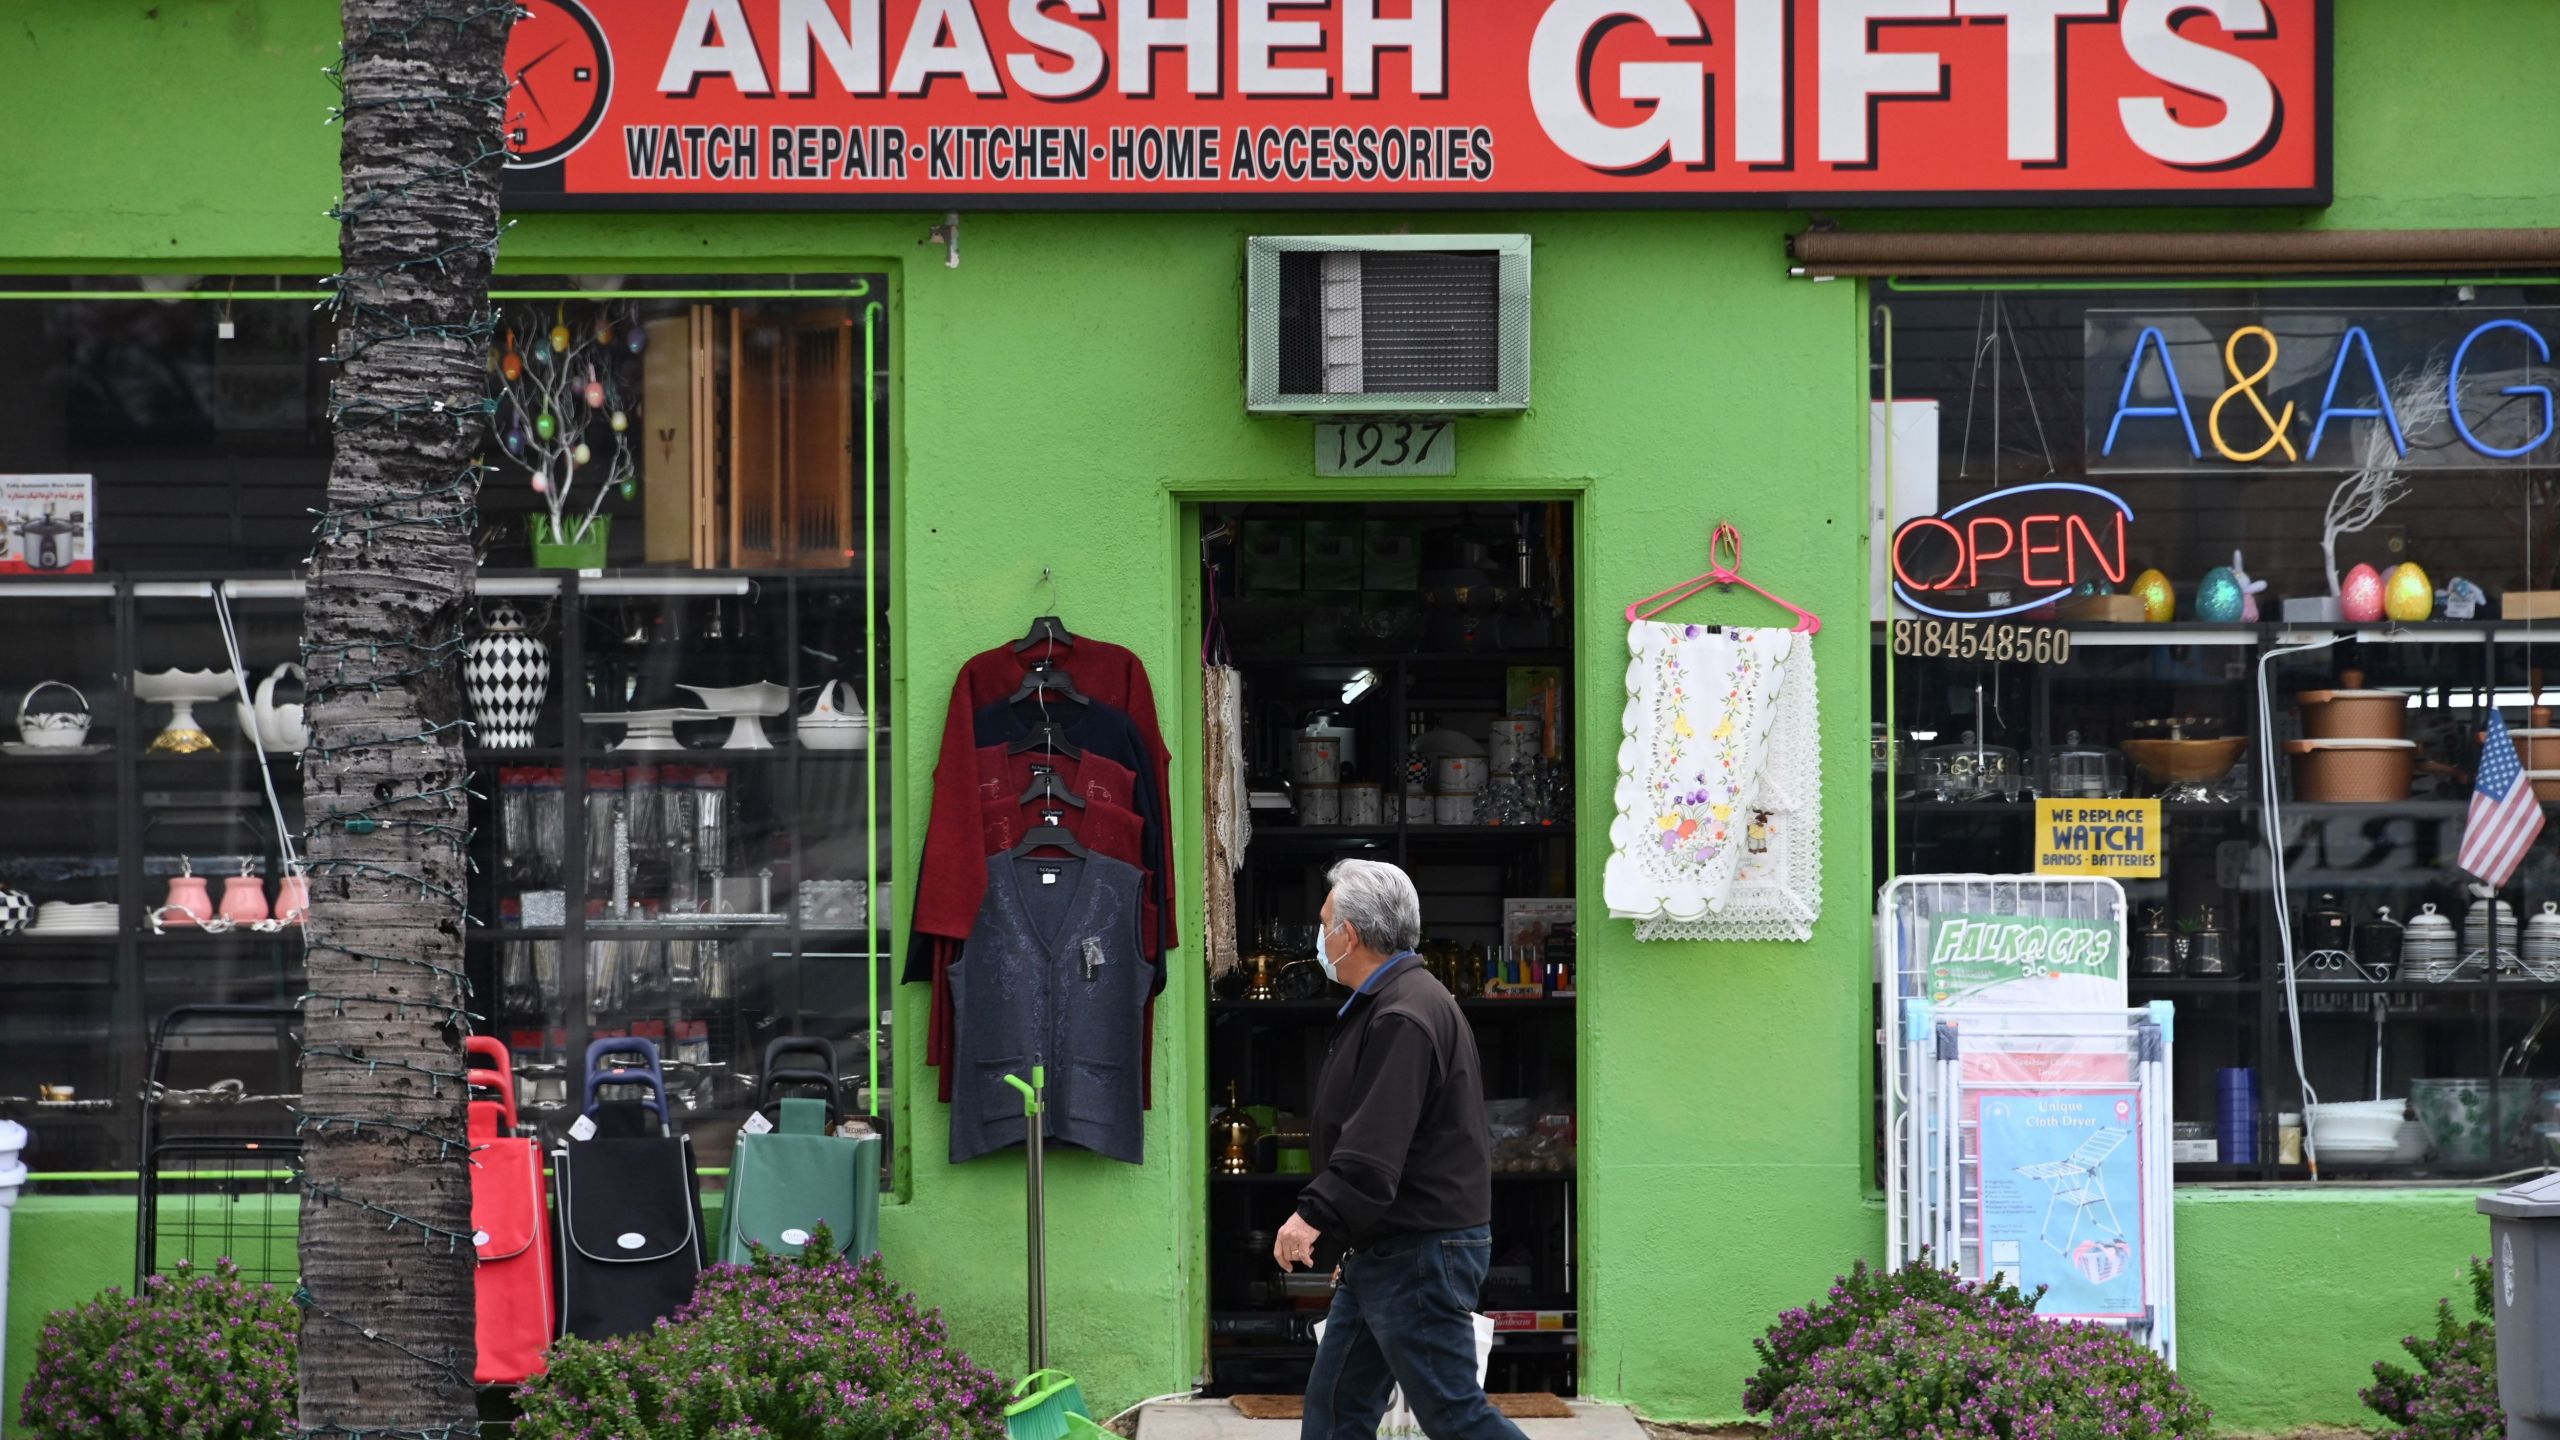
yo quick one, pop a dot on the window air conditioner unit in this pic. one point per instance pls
(1386, 324)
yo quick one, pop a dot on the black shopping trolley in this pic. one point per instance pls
(219, 1146)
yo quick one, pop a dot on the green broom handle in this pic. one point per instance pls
(1038, 1245)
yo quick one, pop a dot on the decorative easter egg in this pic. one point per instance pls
(2159, 601)
(635, 339)
(580, 454)
(544, 426)
(621, 422)
(630, 489)
(604, 329)
(559, 337)
(2360, 596)
(2407, 595)
(2219, 598)
(541, 486)
(509, 364)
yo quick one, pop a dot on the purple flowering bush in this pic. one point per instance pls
(812, 1348)
(193, 1357)
(1937, 1370)
(1858, 1299)
(2453, 1394)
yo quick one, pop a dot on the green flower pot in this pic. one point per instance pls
(550, 553)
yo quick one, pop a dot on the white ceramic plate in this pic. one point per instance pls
(21, 747)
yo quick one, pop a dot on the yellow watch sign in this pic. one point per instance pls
(2098, 837)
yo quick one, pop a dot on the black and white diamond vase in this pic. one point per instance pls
(507, 674)
(16, 909)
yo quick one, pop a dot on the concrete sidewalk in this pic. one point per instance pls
(1218, 1420)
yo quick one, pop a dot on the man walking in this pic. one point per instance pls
(1403, 1179)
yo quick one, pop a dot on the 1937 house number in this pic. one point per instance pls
(1386, 447)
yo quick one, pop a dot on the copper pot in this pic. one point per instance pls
(2353, 712)
(2334, 772)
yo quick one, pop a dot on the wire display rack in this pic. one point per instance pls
(219, 1146)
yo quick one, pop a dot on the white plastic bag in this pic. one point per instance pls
(1398, 1423)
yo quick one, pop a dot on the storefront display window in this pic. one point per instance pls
(2271, 557)
(680, 815)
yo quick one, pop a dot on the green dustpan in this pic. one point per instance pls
(1046, 1406)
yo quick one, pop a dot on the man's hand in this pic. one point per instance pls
(1296, 1245)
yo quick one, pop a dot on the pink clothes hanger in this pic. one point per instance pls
(1724, 561)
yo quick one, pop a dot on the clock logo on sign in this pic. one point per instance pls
(559, 80)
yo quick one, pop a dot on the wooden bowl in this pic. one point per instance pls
(2185, 762)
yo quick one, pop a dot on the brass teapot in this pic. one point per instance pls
(1231, 1137)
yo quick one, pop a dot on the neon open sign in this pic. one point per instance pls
(2011, 551)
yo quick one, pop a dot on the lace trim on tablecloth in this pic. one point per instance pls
(1777, 893)
(1701, 702)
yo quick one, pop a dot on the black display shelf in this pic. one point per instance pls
(1320, 1010)
(1274, 1181)
(2399, 853)
(1465, 872)
(1383, 659)
(132, 977)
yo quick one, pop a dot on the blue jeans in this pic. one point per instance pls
(1404, 1315)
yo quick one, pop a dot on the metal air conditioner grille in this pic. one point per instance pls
(1431, 323)
(1401, 324)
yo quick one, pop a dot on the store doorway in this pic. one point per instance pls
(1405, 678)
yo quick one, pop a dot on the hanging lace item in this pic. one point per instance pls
(1230, 820)
(1717, 830)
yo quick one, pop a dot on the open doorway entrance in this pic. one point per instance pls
(1406, 676)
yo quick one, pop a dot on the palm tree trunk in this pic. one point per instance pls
(387, 1257)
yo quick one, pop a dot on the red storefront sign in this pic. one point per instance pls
(1148, 104)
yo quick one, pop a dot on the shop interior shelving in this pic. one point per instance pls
(2398, 854)
(111, 826)
(1271, 1050)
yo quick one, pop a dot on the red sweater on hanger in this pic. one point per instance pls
(1105, 673)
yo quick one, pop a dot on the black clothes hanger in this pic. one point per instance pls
(1047, 786)
(1049, 835)
(1045, 630)
(1044, 682)
(1048, 737)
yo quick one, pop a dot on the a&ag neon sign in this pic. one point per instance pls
(2261, 410)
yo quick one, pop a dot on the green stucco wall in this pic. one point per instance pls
(1680, 379)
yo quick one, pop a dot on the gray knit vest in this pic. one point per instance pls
(1052, 975)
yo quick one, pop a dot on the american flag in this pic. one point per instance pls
(2505, 814)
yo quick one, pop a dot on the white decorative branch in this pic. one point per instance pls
(2423, 402)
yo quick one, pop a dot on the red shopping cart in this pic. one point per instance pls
(511, 1227)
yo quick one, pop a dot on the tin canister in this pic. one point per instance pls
(1454, 807)
(1513, 740)
(1461, 774)
(1316, 760)
(1363, 803)
(1319, 804)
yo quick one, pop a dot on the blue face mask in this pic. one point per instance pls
(1324, 954)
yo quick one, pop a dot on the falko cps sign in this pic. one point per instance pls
(1414, 103)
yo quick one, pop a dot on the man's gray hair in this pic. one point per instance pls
(1378, 900)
